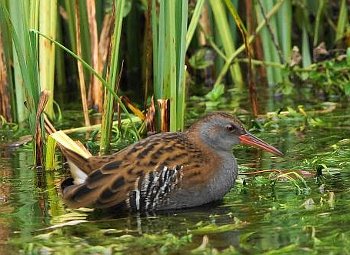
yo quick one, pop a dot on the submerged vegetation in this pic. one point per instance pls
(165, 51)
(109, 72)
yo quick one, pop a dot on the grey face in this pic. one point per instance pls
(221, 133)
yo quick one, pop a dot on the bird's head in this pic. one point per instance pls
(221, 131)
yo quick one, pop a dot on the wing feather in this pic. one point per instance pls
(143, 175)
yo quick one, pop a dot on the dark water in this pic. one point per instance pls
(288, 211)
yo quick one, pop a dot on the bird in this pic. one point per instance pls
(165, 171)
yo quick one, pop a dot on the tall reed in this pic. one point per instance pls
(19, 21)
(172, 39)
(343, 20)
(112, 78)
(169, 29)
(223, 27)
(269, 35)
(47, 25)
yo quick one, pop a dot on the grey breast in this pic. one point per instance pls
(215, 189)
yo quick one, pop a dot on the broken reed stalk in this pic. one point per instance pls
(163, 105)
(150, 118)
(39, 155)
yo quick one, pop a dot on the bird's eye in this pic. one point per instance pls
(230, 128)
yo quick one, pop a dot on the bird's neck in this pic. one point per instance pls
(224, 178)
(226, 172)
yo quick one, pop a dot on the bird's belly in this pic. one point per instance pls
(215, 189)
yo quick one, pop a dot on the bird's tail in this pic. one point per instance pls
(78, 159)
(77, 156)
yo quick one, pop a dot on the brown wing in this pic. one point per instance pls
(117, 175)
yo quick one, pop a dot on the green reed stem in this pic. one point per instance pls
(226, 38)
(343, 21)
(194, 22)
(107, 117)
(94, 72)
(181, 37)
(169, 47)
(320, 10)
(231, 58)
(47, 25)
(284, 18)
(25, 45)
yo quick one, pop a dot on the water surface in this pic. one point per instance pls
(266, 213)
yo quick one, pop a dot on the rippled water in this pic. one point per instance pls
(264, 213)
